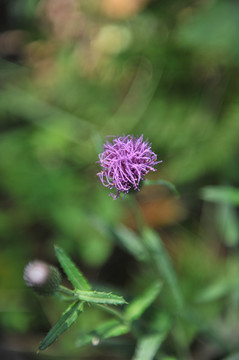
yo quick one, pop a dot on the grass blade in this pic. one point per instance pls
(221, 194)
(148, 346)
(130, 241)
(108, 329)
(163, 263)
(137, 307)
(165, 183)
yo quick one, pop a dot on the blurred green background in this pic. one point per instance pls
(74, 71)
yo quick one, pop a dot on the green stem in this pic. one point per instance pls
(138, 216)
(66, 291)
(154, 263)
(140, 222)
(111, 311)
(106, 308)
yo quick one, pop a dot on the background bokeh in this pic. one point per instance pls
(75, 71)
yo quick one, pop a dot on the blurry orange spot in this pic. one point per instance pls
(120, 9)
(158, 209)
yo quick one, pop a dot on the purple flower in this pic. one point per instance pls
(125, 163)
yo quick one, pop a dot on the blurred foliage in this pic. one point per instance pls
(75, 71)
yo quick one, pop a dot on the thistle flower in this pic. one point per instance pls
(125, 162)
(44, 279)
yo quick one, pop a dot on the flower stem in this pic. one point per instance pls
(157, 254)
(111, 311)
(66, 291)
(138, 217)
(160, 264)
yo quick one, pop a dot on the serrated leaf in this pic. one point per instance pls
(110, 328)
(165, 183)
(148, 346)
(73, 273)
(130, 240)
(221, 194)
(137, 307)
(100, 297)
(66, 320)
(161, 259)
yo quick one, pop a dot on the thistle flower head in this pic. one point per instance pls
(44, 279)
(125, 162)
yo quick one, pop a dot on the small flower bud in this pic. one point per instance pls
(44, 279)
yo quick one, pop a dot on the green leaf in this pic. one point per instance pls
(130, 240)
(166, 183)
(85, 339)
(72, 272)
(148, 346)
(137, 307)
(100, 297)
(117, 330)
(163, 263)
(110, 328)
(221, 194)
(214, 291)
(67, 319)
